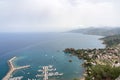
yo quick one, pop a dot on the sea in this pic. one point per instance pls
(43, 49)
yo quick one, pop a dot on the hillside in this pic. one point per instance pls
(111, 41)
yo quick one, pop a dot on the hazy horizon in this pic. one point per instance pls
(57, 15)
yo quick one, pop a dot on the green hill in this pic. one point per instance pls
(111, 40)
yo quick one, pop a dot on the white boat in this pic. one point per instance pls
(40, 70)
(38, 75)
(52, 69)
(50, 66)
(16, 78)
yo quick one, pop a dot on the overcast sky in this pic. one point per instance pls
(57, 15)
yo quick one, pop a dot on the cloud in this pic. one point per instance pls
(57, 15)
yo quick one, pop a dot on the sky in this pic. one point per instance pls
(57, 15)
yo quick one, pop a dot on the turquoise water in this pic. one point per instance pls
(41, 49)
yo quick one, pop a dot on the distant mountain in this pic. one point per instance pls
(104, 31)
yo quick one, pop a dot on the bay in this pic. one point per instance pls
(42, 49)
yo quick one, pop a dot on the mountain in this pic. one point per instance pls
(104, 31)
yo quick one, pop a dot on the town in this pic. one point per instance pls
(107, 58)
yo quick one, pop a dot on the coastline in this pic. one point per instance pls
(105, 45)
(103, 42)
(98, 54)
(12, 68)
(14, 65)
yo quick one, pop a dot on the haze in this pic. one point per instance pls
(57, 15)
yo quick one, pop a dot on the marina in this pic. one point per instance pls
(48, 71)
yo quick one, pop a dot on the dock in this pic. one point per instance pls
(45, 73)
(12, 68)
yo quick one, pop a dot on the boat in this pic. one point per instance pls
(16, 78)
(38, 75)
(40, 70)
(50, 66)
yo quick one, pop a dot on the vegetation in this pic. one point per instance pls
(103, 72)
(111, 40)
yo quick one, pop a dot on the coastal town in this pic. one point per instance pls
(98, 58)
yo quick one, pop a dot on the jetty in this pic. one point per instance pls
(48, 71)
(12, 68)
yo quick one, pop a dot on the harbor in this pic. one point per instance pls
(46, 71)
(12, 69)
